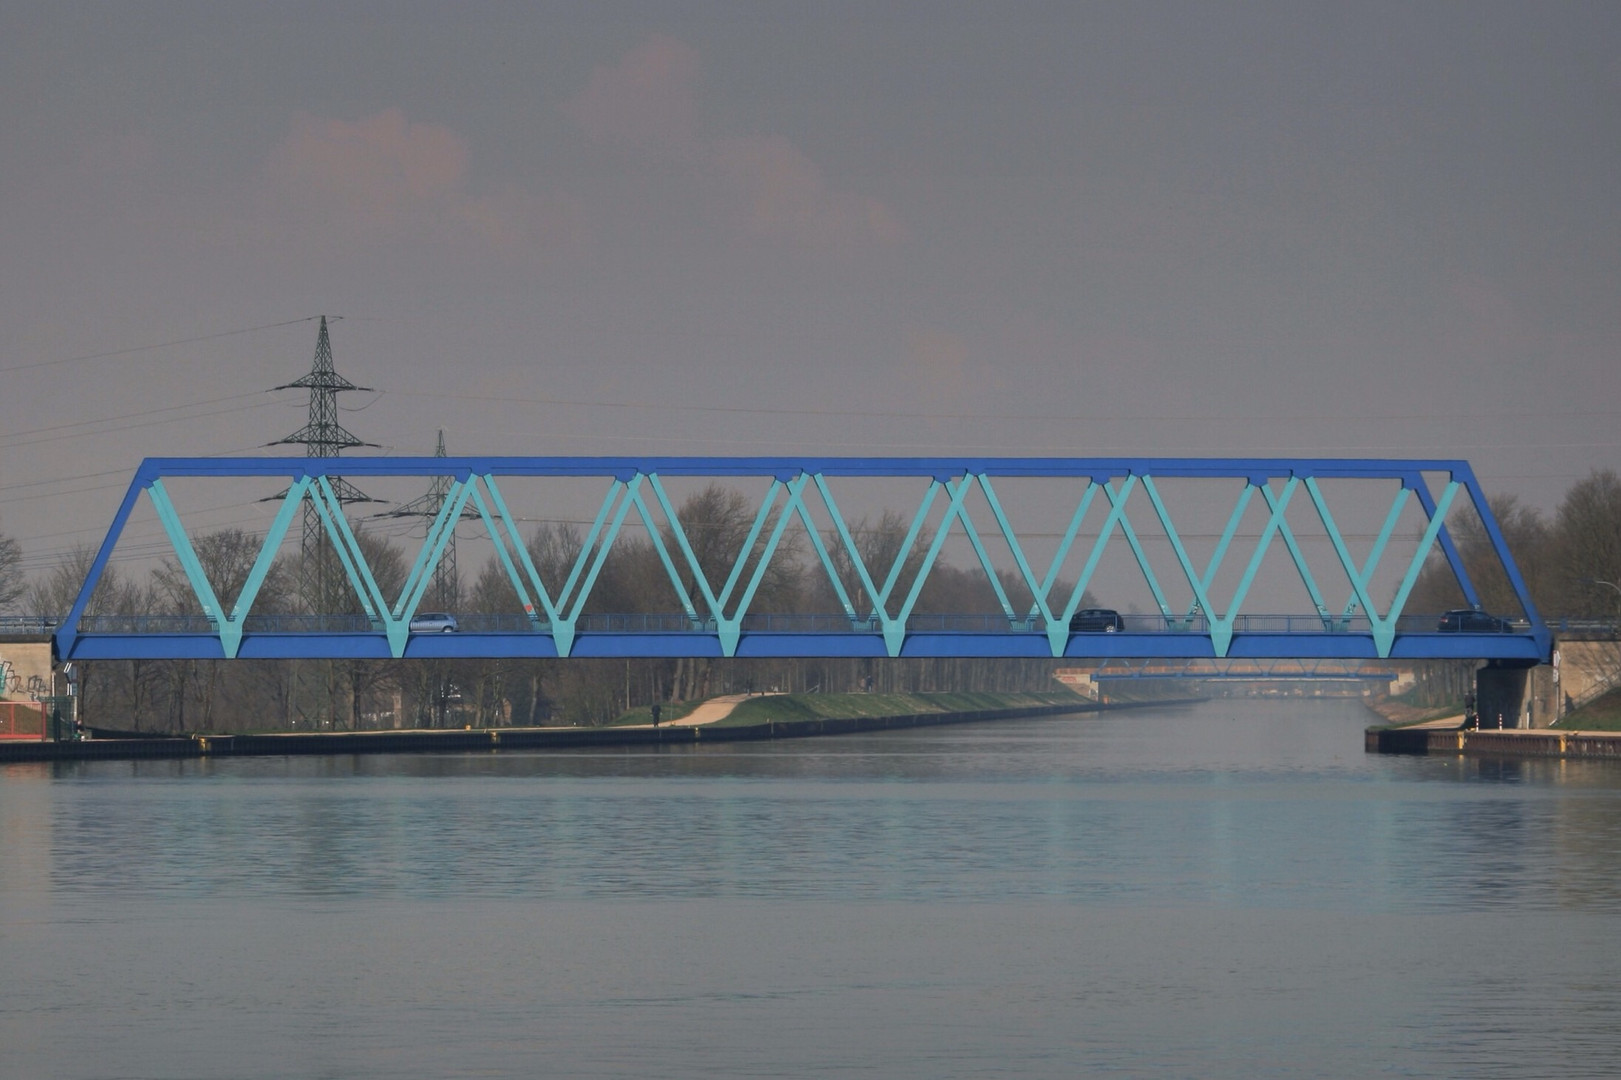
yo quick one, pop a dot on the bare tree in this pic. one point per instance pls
(204, 693)
(369, 680)
(716, 522)
(1529, 541)
(55, 593)
(12, 584)
(1587, 546)
(227, 558)
(878, 546)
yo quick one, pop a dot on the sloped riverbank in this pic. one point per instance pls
(768, 717)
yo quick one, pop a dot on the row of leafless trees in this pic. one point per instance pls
(1571, 563)
(1566, 559)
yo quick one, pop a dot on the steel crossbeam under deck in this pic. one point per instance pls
(878, 602)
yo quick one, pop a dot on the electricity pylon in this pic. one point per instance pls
(435, 677)
(445, 590)
(322, 437)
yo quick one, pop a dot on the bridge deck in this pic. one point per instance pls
(787, 644)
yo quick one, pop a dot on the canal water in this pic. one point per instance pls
(1225, 890)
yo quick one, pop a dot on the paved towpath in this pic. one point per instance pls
(1443, 723)
(716, 708)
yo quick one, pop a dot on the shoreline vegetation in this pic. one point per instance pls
(763, 708)
(1600, 714)
(1397, 713)
(768, 716)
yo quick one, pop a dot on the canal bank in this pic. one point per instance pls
(1589, 732)
(1451, 739)
(498, 739)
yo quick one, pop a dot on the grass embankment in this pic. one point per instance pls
(1600, 714)
(782, 707)
(1398, 713)
(668, 711)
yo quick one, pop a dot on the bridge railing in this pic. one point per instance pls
(776, 623)
(674, 622)
(1584, 625)
(34, 625)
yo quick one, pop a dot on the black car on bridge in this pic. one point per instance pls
(1096, 621)
(1473, 621)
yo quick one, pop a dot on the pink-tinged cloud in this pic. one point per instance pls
(782, 194)
(645, 101)
(120, 154)
(646, 104)
(1480, 323)
(939, 369)
(384, 176)
(377, 169)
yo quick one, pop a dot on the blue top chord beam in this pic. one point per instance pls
(878, 602)
(786, 468)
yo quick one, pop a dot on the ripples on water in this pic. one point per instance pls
(1228, 890)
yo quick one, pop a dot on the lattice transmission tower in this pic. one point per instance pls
(323, 437)
(445, 590)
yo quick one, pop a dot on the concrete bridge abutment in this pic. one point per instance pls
(1503, 695)
(1539, 695)
(32, 687)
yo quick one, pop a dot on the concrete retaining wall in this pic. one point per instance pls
(1588, 669)
(25, 669)
(1571, 744)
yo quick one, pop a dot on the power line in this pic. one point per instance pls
(776, 410)
(132, 427)
(160, 345)
(125, 416)
(62, 479)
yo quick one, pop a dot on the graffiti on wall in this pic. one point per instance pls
(25, 672)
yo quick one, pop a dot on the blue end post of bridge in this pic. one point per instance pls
(877, 603)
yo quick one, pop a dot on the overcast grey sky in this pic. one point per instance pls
(899, 228)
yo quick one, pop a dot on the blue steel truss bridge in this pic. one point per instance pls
(1242, 558)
